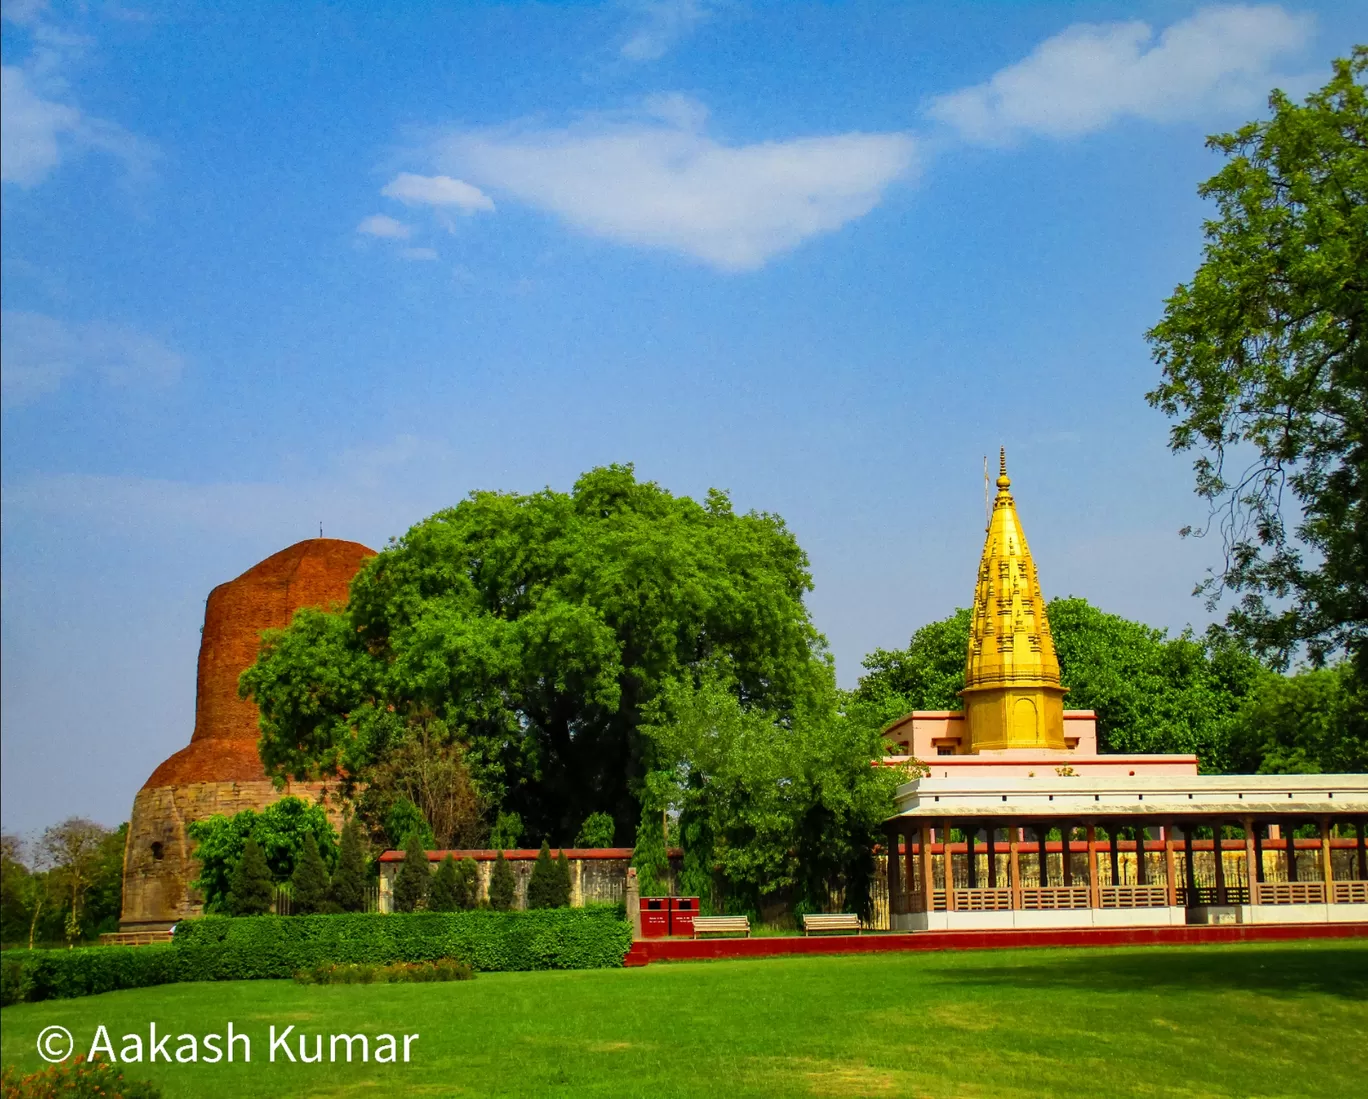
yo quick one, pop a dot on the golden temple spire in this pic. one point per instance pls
(1011, 693)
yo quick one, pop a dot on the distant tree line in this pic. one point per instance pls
(1153, 693)
(66, 887)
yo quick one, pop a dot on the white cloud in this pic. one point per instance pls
(418, 253)
(30, 129)
(382, 225)
(1090, 74)
(37, 128)
(658, 181)
(38, 352)
(661, 24)
(414, 190)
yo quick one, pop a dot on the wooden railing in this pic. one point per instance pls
(134, 938)
(983, 900)
(1133, 896)
(1350, 892)
(1054, 897)
(1292, 892)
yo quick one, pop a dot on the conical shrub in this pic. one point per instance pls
(348, 889)
(442, 897)
(310, 880)
(502, 886)
(543, 887)
(250, 888)
(562, 881)
(467, 884)
(412, 882)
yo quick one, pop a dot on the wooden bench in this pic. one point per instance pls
(831, 921)
(721, 925)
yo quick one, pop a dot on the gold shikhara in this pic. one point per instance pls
(1012, 696)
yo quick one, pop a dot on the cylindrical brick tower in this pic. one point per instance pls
(220, 771)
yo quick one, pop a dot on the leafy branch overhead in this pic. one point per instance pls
(1265, 371)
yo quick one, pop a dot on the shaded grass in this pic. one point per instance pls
(1249, 1021)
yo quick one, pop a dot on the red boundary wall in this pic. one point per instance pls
(645, 951)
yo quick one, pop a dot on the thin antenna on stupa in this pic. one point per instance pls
(987, 497)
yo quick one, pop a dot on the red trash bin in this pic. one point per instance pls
(682, 913)
(655, 917)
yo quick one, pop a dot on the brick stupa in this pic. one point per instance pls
(220, 771)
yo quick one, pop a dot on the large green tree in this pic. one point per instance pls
(775, 811)
(1152, 693)
(530, 631)
(1264, 357)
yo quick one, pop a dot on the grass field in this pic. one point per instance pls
(1247, 1021)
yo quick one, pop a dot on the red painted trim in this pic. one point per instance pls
(522, 853)
(643, 952)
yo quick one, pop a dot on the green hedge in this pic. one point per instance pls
(280, 946)
(87, 970)
(219, 948)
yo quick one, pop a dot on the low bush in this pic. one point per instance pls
(362, 973)
(221, 948)
(80, 1079)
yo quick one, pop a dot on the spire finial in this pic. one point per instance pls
(1003, 480)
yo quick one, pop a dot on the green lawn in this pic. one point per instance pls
(1246, 1021)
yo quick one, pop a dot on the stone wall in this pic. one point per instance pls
(598, 875)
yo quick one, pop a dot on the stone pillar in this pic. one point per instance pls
(1094, 886)
(928, 871)
(949, 859)
(892, 836)
(1251, 860)
(992, 854)
(1327, 864)
(1190, 865)
(1291, 831)
(1363, 849)
(909, 870)
(1066, 856)
(633, 895)
(1218, 852)
(1258, 854)
(1014, 862)
(1170, 869)
(970, 834)
(1043, 853)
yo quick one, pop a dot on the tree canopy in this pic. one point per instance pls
(1311, 723)
(528, 633)
(1264, 358)
(1152, 693)
(774, 811)
(279, 830)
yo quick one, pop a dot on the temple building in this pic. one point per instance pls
(219, 771)
(1019, 820)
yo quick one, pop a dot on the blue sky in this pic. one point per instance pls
(289, 264)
